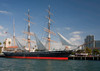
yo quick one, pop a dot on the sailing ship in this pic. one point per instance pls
(42, 52)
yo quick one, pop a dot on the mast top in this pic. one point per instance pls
(13, 27)
(48, 6)
(28, 10)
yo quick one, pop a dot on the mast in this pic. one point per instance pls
(28, 38)
(48, 30)
(49, 38)
(29, 34)
(14, 31)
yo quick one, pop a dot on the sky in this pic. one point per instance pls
(74, 19)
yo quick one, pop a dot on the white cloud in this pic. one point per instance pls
(3, 34)
(5, 12)
(58, 29)
(67, 28)
(63, 28)
(76, 37)
(2, 31)
(1, 27)
(76, 32)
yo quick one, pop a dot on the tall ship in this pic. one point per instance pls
(42, 52)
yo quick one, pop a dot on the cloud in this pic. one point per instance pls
(2, 34)
(5, 12)
(1, 27)
(76, 32)
(63, 28)
(67, 28)
(3, 31)
(76, 37)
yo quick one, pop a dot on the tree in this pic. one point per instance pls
(80, 51)
(95, 51)
(9, 42)
(0, 43)
(88, 50)
(36, 50)
(4, 43)
(0, 48)
(73, 53)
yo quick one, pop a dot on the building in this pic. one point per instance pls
(91, 42)
(7, 42)
(97, 43)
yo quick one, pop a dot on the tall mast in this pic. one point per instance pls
(48, 30)
(28, 31)
(28, 38)
(14, 32)
(49, 38)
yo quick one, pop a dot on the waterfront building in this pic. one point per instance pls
(91, 42)
(97, 43)
(7, 42)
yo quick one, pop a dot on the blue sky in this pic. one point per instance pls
(74, 19)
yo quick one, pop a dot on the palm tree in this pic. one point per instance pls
(0, 43)
(9, 42)
(95, 52)
(0, 48)
(4, 43)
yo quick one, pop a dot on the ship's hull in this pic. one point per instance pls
(58, 55)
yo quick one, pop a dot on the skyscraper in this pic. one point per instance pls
(97, 44)
(89, 41)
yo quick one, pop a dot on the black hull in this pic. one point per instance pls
(61, 55)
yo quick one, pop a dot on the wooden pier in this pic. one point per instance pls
(83, 58)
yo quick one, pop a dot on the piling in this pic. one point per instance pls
(83, 58)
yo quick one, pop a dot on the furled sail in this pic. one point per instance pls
(40, 46)
(64, 41)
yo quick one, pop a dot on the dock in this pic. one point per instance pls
(83, 58)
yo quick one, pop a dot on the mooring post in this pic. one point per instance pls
(93, 57)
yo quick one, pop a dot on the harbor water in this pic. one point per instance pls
(8, 64)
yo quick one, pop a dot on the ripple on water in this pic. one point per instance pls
(7, 64)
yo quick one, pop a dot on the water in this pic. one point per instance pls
(7, 64)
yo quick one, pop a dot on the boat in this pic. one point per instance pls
(42, 52)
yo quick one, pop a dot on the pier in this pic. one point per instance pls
(83, 58)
